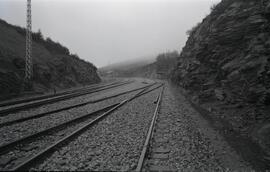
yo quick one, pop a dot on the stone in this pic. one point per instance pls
(195, 99)
(267, 158)
(258, 49)
(125, 168)
(263, 37)
(267, 44)
(255, 19)
(219, 94)
(235, 5)
(234, 75)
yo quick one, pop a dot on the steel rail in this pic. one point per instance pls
(39, 156)
(7, 111)
(14, 102)
(149, 134)
(6, 147)
(8, 123)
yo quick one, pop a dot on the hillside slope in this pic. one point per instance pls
(53, 65)
(160, 68)
(225, 65)
(128, 64)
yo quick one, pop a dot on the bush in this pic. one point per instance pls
(213, 7)
(193, 29)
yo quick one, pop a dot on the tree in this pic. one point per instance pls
(39, 33)
(38, 36)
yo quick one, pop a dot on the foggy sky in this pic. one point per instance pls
(110, 31)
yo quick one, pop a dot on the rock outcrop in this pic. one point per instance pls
(229, 51)
(53, 65)
(227, 60)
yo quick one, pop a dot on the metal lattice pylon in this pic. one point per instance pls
(28, 54)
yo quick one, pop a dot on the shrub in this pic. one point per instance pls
(193, 29)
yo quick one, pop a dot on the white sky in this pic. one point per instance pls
(110, 31)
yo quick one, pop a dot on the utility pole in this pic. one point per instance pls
(27, 85)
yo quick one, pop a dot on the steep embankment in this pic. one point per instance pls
(225, 65)
(53, 65)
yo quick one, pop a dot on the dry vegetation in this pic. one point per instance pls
(53, 65)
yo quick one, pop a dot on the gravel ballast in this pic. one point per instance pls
(188, 142)
(33, 126)
(20, 153)
(16, 131)
(112, 144)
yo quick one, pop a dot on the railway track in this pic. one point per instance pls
(39, 115)
(30, 105)
(155, 150)
(147, 143)
(82, 123)
(16, 102)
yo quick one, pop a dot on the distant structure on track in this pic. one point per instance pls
(28, 55)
